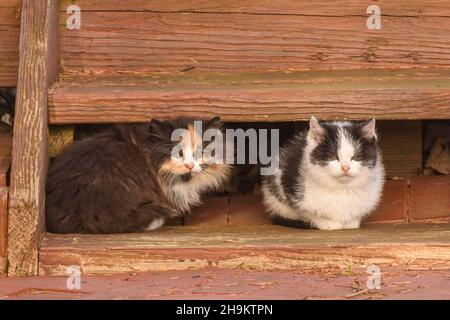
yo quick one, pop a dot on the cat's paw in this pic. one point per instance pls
(354, 224)
(328, 225)
(155, 224)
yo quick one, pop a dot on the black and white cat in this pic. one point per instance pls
(330, 176)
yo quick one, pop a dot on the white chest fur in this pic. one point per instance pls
(188, 194)
(337, 205)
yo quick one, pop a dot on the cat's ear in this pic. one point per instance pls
(158, 129)
(368, 129)
(316, 132)
(213, 123)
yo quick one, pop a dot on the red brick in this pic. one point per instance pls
(213, 211)
(430, 197)
(247, 210)
(393, 204)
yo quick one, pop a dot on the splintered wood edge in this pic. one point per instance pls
(251, 248)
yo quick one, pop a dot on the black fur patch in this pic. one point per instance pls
(328, 148)
(365, 149)
(290, 223)
(290, 164)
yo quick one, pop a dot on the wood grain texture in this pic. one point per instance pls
(255, 248)
(37, 69)
(401, 145)
(128, 42)
(259, 97)
(5, 163)
(9, 41)
(414, 8)
(3, 227)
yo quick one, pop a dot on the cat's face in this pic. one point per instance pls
(182, 155)
(343, 149)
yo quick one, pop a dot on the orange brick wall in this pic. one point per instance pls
(407, 200)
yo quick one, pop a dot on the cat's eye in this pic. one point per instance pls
(334, 157)
(356, 158)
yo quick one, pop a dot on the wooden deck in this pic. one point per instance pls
(417, 246)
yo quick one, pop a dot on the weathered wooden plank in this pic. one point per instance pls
(252, 236)
(401, 144)
(357, 94)
(416, 8)
(5, 162)
(9, 41)
(261, 247)
(3, 227)
(130, 42)
(37, 69)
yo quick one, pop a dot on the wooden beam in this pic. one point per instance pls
(259, 97)
(38, 67)
(248, 247)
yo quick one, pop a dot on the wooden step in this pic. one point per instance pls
(416, 246)
(263, 96)
(119, 37)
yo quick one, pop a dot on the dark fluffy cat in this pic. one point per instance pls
(125, 179)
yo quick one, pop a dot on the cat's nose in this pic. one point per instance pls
(345, 167)
(189, 165)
